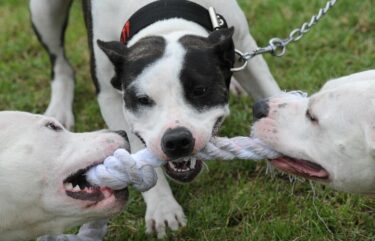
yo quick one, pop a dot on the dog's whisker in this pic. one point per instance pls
(205, 166)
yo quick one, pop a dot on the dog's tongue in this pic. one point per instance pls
(300, 167)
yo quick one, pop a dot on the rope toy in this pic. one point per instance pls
(123, 169)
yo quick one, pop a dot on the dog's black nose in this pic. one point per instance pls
(260, 109)
(178, 142)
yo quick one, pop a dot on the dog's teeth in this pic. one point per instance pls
(68, 186)
(171, 165)
(192, 163)
(76, 189)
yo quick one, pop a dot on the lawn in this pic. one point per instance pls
(229, 201)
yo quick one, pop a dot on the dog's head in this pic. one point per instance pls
(329, 137)
(175, 91)
(42, 168)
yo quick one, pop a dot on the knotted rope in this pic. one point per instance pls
(124, 169)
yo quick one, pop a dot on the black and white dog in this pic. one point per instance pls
(166, 83)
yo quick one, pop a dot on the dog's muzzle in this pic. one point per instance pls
(177, 143)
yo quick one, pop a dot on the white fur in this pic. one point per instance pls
(34, 161)
(344, 140)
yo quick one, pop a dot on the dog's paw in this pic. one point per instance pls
(164, 214)
(62, 112)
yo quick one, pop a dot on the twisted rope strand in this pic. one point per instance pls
(124, 169)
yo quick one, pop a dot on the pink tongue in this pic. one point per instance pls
(300, 167)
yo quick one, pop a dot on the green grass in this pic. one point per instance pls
(233, 201)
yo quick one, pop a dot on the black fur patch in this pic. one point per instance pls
(206, 70)
(142, 54)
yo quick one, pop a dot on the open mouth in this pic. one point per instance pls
(77, 187)
(184, 170)
(303, 168)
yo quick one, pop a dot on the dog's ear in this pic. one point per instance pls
(222, 40)
(114, 50)
(116, 53)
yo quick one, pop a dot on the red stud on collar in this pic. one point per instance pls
(125, 33)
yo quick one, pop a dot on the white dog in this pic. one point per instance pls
(329, 137)
(166, 83)
(41, 183)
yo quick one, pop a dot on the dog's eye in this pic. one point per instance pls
(199, 91)
(53, 126)
(145, 100)
(311, 117)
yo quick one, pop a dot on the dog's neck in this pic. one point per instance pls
(178, 27)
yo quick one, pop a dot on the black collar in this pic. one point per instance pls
(167, 9)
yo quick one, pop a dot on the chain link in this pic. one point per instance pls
(277, 46)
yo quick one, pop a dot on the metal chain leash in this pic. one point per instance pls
(277, 46)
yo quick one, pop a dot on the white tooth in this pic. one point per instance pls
(171, 165)
(76, 189)
(68, 186)
(192, 163)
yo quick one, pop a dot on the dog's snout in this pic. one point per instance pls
(260, 110)
(178, 142)
(123, 134)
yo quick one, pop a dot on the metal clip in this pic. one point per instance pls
(215, 20)
(242, 58)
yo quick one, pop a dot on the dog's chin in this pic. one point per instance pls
(303, 168)
(78, 188)
(183, 170)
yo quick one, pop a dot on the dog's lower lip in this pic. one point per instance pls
(303, 168)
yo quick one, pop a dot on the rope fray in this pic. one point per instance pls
(123, 169)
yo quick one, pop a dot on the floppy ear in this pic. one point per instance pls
(116, 53)
(114, 50)
(222, 41)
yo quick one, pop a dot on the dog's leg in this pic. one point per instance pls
(163, 211)
(49, 19)
(256, 78)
